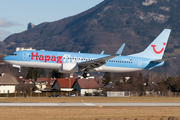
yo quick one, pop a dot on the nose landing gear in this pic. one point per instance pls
(17, 66)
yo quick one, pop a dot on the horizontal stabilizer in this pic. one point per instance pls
(161, 60)
(119, 52)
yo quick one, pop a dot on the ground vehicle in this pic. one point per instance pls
(55, 95)
(37, 91)
(72, 95)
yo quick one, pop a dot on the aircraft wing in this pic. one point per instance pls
(90, 65)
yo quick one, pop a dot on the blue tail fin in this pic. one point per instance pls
(157, 47)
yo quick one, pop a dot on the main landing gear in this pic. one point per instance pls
(86, 74)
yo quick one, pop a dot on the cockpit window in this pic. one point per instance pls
(13, 54)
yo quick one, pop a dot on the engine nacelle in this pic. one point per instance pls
(69, 67)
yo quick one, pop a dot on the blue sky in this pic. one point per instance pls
(16, 14)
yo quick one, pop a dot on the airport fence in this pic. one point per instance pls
(42, 94)
(69, 94)
(155, 94)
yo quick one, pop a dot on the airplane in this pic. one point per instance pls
(70, 62)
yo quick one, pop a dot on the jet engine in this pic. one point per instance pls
(69, 68)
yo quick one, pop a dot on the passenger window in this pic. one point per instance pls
(13, 54)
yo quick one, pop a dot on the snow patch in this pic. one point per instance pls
(149, 2)
(165, 8)
(160, 18)
(106, 8)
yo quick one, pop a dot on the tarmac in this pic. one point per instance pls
(90, 104)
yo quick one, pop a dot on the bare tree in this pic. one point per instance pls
(178, 84)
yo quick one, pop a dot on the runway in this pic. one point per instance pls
(90, 104)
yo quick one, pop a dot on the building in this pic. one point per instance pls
(44, 84)
(86, 86)
(7, 83)
(24, 84)
(64, 84)
(22, 48)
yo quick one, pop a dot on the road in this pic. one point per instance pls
(92, 104)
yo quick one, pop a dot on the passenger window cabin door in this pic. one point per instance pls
(25, 54)
(139, 63)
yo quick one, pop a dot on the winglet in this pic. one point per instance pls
(102, 52)
(119, 52)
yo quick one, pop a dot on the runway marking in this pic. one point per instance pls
(91, 104)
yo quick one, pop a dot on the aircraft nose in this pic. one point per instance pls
(6, 58)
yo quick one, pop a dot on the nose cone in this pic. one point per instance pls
(6, 58)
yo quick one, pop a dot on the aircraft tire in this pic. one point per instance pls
(84, 75)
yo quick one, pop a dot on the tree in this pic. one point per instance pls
(138, 84)
(28, 89)
(142, 87)
(177, 86)
(55, 74)
(163, 86)
(107, 78)
(33, 73)
(171, 82)
(35, 88)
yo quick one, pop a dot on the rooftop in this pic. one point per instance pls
(88, 83)
(8, 79)
(66, 82)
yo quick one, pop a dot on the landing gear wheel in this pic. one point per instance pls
(85, 75)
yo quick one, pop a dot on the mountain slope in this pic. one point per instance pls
(106, 27)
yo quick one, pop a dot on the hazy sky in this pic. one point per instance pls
(16, 14)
